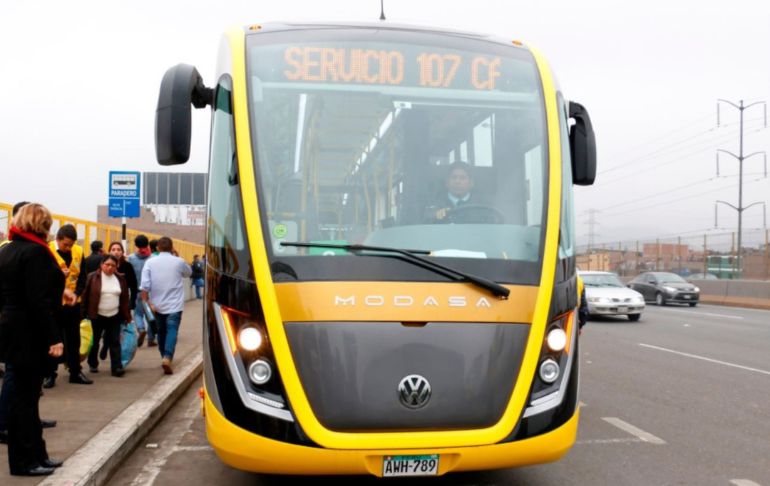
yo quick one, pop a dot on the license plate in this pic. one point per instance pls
(410, 465)
(688, 296)
(622, 309)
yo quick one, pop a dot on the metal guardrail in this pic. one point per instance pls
(713, 253)
(89, 231)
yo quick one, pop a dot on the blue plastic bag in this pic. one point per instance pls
(128, 340)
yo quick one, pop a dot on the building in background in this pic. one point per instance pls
(623, 262)
(173, 204)
(666, 257)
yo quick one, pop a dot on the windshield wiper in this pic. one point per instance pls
(411, 256)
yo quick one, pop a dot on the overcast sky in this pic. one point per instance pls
(80, 79)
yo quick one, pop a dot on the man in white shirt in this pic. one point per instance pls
(162, 287)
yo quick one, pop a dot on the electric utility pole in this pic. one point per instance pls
(740, 157)
(591, 235)
(591, 228)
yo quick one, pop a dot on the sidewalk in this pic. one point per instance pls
(83, 411)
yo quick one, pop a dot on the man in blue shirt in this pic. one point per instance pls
(162, 288)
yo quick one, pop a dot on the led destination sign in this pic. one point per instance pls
(477, 66)
(394, 67)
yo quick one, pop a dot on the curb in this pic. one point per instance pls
(738, 302)
(97, 459)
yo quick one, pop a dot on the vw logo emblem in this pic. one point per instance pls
(414, 391)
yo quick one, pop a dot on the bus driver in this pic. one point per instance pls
(459, 183)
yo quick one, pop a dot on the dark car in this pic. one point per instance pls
(664, 288)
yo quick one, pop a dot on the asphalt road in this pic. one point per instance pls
(681, 397)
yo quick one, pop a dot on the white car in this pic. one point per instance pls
(607, 296)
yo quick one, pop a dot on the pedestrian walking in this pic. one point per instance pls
(31, 289)
(126, 270)
(162, 287)
(105, 301)
(137, 261)
(69, 256)
(154, 247)
(92, 263)
(197, 276)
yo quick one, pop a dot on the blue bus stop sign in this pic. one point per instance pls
(124, 190)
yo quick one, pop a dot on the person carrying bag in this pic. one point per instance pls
(105, 301)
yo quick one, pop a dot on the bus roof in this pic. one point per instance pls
(287, 26)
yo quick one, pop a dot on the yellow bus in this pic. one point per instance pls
(390, 282)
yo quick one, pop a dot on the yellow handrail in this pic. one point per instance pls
(89, 231)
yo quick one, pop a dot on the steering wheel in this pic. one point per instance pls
(474, 214)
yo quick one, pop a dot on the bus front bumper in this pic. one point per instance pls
(244, 450)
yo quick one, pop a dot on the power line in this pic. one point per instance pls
(675, 200)
(712, 144)
(658, 194)
(686, 125)
(663, 193)
(740, 157)
(655, 152)
(671, 147)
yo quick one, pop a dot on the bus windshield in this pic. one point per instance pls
(402, 139)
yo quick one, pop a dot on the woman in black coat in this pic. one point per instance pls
(31, 288)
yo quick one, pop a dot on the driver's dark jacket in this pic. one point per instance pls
(444, 202)
(31, 287)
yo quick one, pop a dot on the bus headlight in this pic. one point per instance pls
(556, 340)
(260, 372)
(554, 363)
(549, 371)
(249, 358)
(249, 339)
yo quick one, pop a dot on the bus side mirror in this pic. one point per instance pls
(582, 146)
(181, 87)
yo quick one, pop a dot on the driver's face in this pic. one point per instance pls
(459, 183)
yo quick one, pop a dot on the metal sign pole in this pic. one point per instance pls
(123, 233)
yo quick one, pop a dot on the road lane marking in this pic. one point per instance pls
(627, 440)
(743, 482)
(98, 455)
(168, 445)
(683, 311)
(710, 360)
(635, 431)
(203, 448)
